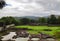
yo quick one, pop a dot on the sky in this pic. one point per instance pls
(37, 8)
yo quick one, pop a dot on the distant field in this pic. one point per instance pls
(36, 29)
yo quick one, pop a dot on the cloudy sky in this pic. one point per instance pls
(30, 8)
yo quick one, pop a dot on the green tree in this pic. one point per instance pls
(42, 20)
(24, 21)
(7, 20)
(33, 21)
(52, 19)
(14, 21)
(10, 20)
(58, 20)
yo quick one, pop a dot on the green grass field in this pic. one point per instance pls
(36, 29)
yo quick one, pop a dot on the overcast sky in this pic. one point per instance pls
(30, 8)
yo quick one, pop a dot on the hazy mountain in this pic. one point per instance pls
(30, 17)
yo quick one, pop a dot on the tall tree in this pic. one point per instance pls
(24, 21)
(52, 19)
(14, 21)
(33, 21)
(42, 20)
(58, 20)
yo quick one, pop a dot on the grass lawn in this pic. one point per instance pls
(36, 29)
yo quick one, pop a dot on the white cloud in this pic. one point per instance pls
(12, 3)
(58, 0)
(25, 6)
(30, 8)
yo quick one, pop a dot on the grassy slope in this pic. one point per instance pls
(37, 29)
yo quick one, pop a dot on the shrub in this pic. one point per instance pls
(57, 34)
(47, 30)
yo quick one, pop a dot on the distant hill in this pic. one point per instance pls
(30, 17)
(55, 16)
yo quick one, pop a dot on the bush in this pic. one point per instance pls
(57, 34)
(47, 30)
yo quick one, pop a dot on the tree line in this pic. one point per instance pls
(51, 20)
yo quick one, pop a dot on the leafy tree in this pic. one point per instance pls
(52, 19)
(2, 4)
(58, 20)
(42, 20)
(6, 20)
(10, 20)
(33, 21)
(14, 21)
(24, 21)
